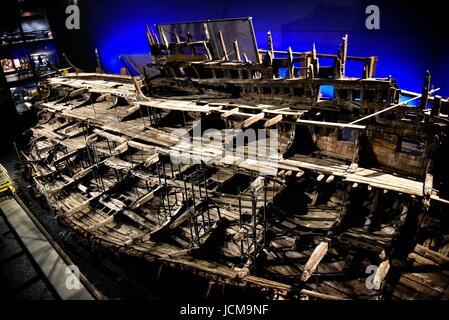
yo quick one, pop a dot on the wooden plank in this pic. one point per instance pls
(428, 185)
(120, 148)
(253, 119)
(381, 273)
(101, 224)
(317, 255)
(271, 122)
(110, 136)
(229, 113)
(65, 157)
(83, 204)
(431, 255)
(145, 198)
(138, 219)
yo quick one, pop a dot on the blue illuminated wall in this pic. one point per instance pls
(412, 38)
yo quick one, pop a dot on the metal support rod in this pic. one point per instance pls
(158, 173)
(165, 187)
(172, 176)
(185, 190)
(195, 226)
(199, 181)
(389, 108)
(207, 201)
(181, 176)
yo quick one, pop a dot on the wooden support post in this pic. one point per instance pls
(270, 51)
(428, 185)
(315, 63)
(223, 46)
(164, 39)
(344, 53)
(178, 40)
(206, 32)
(290, 74)
(154, 37)
(245, 58)
(237, 51)
(270, 42)
(209, 289)
(149, 36)
(208, 53)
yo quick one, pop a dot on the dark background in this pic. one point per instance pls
(412, 38)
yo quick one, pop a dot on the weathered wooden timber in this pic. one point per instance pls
(354, 183)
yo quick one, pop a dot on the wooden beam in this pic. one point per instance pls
(237, 51)
(139, 202)
(83, 204)
(103, 97)
(78, 92)
(229, 113)
(66, 156)
(223, 45)
(138, 219)
(101, 224)
(428, 185)
(381, 273)
(317, 255)
(273, 121)
(253, 119)
(110, 136)
(120, 148)
(257, 185)
(151, 160)
(82, 173)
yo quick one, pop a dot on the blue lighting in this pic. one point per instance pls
(403, 54)
(327, 91)
(413, 103)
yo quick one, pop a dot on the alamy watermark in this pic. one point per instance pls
(372, 21)
(73, 19)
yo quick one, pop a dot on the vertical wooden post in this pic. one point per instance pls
(223, 45)
(237, 51)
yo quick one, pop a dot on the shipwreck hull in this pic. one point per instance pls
(294, 224)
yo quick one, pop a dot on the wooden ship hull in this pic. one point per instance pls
(348, 186)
